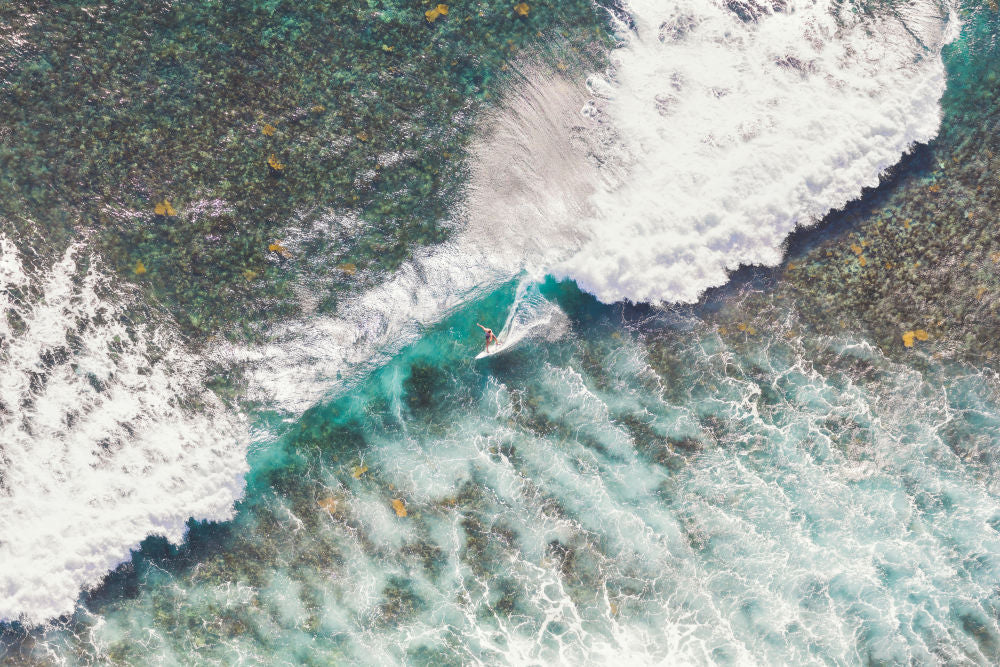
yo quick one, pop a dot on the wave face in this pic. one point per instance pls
(534, 169)
(739, 122)
(106, 434)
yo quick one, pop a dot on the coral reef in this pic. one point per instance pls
(185, 136)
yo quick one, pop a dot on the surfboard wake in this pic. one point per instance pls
(530, 314)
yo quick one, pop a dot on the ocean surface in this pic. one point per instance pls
(743, 259)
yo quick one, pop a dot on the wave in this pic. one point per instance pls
(531, 181)
(107, 434)
(718, 129)
(739, 125)
(714, 134)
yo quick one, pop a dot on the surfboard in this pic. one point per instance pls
(506, 340)
(493, 350)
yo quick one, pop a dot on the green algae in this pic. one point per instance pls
(399, 602)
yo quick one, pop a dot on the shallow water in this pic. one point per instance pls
(637, 486)
(733, 482)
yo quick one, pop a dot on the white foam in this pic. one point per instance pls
(106, 435)
(737, 132)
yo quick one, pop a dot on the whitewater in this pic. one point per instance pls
(106, 434)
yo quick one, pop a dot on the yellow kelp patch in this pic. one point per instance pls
(433, 14)
(522, 8)
(273, 163)
(910, 336)
(329, 504)
(268, 129)
(140, 268)
(280, 249)
(399, 506)
(358, 471)
(164, 208)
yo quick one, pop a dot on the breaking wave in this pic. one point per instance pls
(107, 434)
(739, 122)
(716, 132)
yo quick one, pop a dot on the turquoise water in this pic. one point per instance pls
(730, 482)
(640, 486)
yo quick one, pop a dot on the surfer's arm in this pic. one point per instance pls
(481, 326)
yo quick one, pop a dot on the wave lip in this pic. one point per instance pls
(106, 435)
(738, 126)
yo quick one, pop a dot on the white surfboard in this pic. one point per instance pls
(503, 343)
(493, 350)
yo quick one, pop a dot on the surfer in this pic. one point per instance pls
(490, 336)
